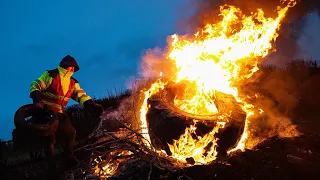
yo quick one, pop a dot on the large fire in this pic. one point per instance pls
(215, 59)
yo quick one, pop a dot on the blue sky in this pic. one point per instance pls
(105, 36)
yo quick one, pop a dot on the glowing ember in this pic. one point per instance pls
(107, 168)
(216, 59)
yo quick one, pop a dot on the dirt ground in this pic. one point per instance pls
(297, 158)
(274, 159)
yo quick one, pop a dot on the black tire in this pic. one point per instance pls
(167, 122)
(226, 105)
(29, 110)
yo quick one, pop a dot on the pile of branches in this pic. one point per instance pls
(115, 151)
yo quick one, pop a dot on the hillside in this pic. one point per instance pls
(292, 90)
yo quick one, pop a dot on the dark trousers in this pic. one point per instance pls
(67, 133)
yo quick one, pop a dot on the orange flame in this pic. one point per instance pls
(107, 168)
(187, 146)
(216, 59)
(156, 87)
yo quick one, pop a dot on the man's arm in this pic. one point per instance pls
(39, 85)
(86, 101)
(79, 94)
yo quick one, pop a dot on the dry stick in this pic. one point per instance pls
(114, 148)
(147, 158)
(186, 177)
(105, 142)
(155, 155)
(150, 171)
(137, 133)
(99, 147)
(91, 135)
(133, 104)
(136, 146)
(141, 155)
(150, 165)
(130, 143)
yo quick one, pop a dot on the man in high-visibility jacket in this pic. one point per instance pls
(53, 89)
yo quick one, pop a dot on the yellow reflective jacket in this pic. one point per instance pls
(57, 86)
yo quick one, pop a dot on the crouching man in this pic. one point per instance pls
(53, 89)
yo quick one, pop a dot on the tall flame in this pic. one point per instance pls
(156, 87)
(219, 56)
(216, 59)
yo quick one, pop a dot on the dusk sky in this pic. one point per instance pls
(106, 37)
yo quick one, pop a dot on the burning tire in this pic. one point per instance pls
(167, 122)
(226, 105)
(27, 117)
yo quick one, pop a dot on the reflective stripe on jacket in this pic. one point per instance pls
(57, 87)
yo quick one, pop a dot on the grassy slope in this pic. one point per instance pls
(276, 158)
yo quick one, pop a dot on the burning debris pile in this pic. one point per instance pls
(193, 107)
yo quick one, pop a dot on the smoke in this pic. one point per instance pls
(207, 11)
(155, 61)
(275, 92)
(126, 113)
(276, 88)
(292, 28)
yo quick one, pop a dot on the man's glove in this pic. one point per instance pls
(36, 98)
(93, 107)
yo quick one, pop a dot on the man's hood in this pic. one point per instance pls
(69, 61)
